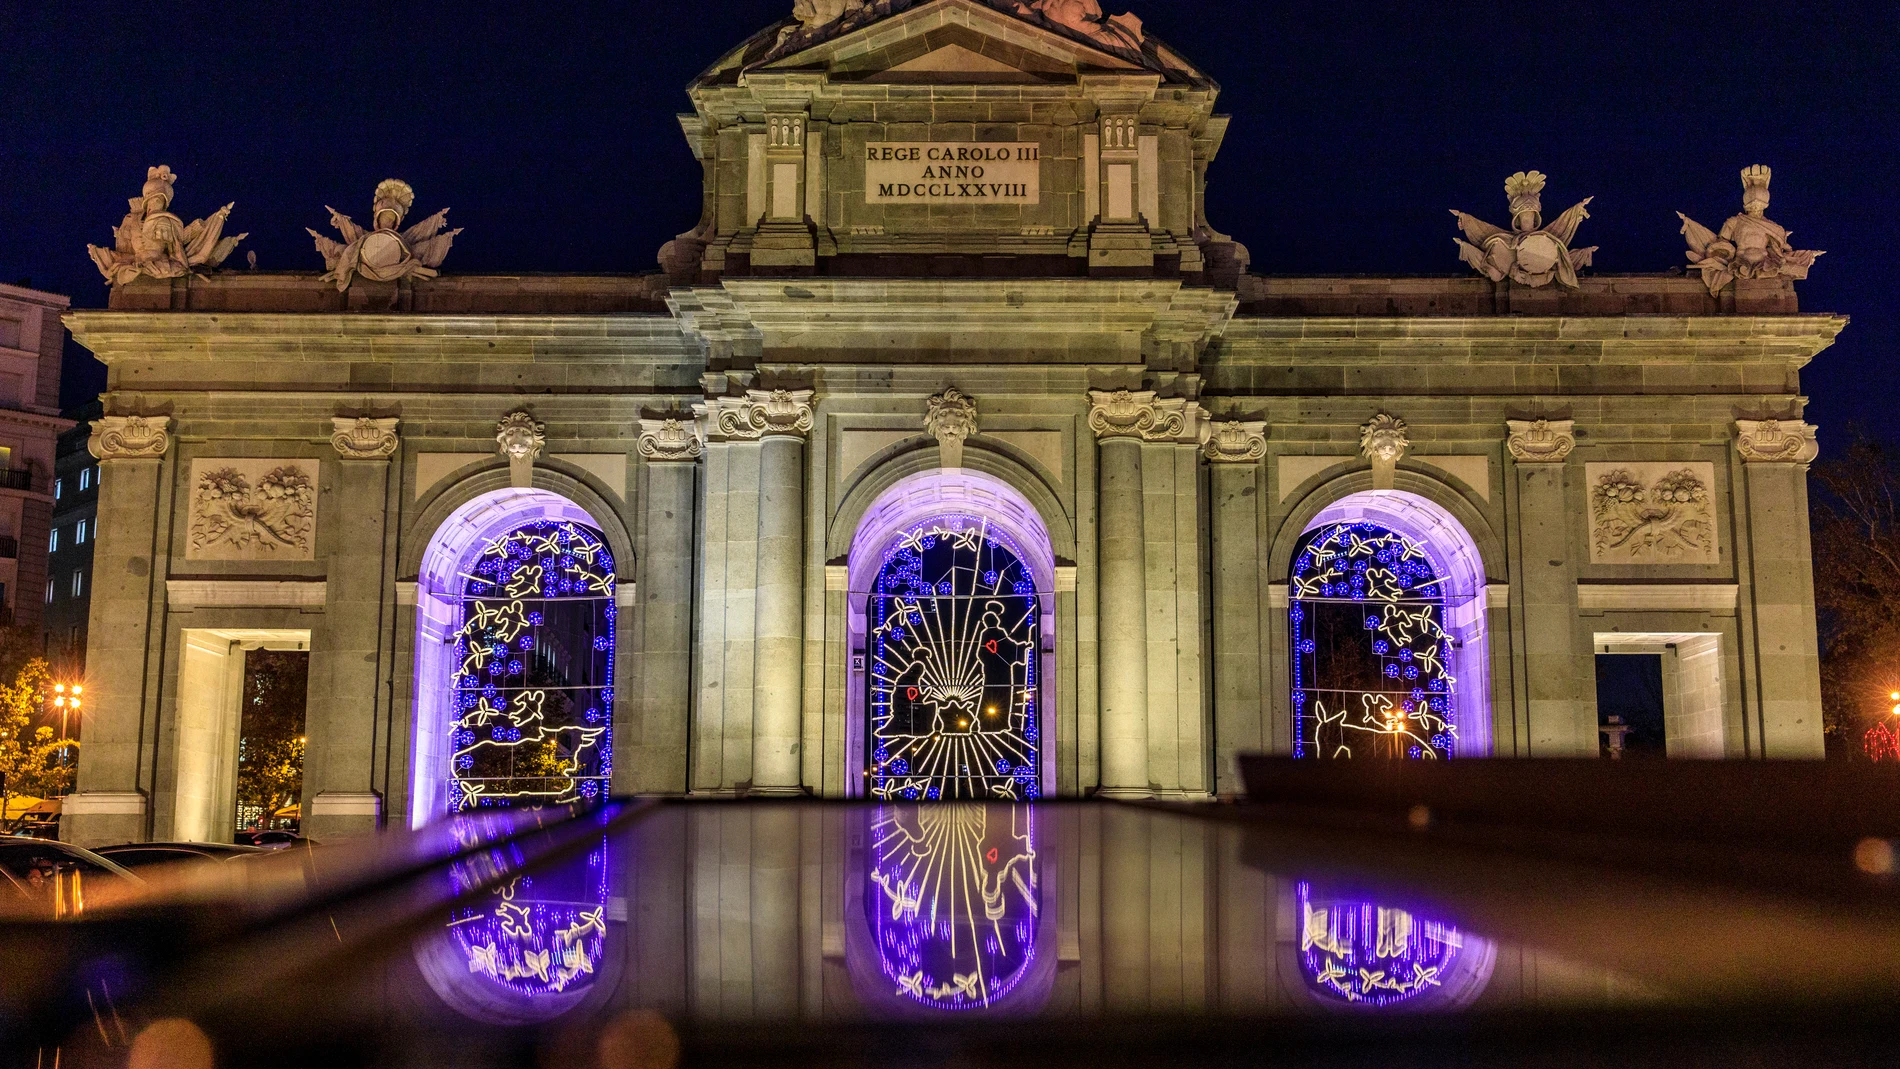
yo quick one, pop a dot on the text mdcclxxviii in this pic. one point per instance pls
(1371, 655)
(533, 684)
(955, 626)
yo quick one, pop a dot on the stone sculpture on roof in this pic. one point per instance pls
(1530, 253)
(382, 253)
(817, 19)
(157, 244)
(1750, 245)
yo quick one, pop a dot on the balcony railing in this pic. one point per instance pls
(16, 479)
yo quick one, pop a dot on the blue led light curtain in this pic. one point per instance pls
(1370, 651)
(954, 651)
(533, 689)
(1366, 954)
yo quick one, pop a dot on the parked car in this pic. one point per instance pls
(141, 855)
(37, 875)
(272, 839)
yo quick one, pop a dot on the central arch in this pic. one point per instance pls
(1004, 531)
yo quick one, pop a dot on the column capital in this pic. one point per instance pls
(670, 439)
(130, 437)
(1140, 414)
(1541, 441)
(759, 414)
(1776, 441)
(1236, 442)
(363, 437)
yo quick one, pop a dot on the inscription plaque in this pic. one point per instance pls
(952, 172)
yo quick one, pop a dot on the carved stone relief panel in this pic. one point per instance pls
(247, 509)
(1652, 513)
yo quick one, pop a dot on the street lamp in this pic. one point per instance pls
(67, 704)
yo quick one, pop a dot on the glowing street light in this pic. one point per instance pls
(67, 700)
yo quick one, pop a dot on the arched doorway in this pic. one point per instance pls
(951, 610)
(516, 622)
(1387, 629)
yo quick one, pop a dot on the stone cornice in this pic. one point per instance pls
(845, 321)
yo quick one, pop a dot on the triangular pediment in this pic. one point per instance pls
(946, 41)
(954, 59)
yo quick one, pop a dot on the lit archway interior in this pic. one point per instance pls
(1377, 956)
(515, 622)
(1387, 628)
(951, 609)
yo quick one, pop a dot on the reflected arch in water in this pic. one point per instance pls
(948, 910)
(1367, 955)
(518, 948)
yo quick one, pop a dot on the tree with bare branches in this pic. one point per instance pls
(1856, 523)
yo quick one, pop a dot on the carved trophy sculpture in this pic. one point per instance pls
(1530, 253)
(157, 244)
(1750, 245)
(1085, 17)
(383, 253)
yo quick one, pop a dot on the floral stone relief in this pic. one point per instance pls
(245, 509)
(1652, 513)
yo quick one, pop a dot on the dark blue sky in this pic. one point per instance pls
(549, 129)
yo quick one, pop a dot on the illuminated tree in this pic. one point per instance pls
(30, 756)
(1856, 523)
(271, 743)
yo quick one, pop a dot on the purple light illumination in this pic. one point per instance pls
(1363, 954)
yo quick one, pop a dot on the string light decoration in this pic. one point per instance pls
(532, 935)
(1370, 650)
(1365, 954)
(953, 900)
(954, 632)
(534, 691)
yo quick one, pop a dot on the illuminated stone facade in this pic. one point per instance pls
(1090, 379)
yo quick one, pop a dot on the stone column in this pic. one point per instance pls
(1560, 673)
(339, 760)
(1234, 452)
(671, 448)
(110, 804)
(779, 420)
(1123, 420)
(1776, 455)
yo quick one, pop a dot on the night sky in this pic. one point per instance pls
(549, 129)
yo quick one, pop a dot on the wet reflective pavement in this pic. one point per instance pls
(923, 934)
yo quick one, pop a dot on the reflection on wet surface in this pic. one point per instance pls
(920, 912)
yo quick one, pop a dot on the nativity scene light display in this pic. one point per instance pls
(954, 668)
(533, 691)
(1371, 672)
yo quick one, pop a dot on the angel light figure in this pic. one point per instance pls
(157, 244)
(1529, 253)
(382, 253)
(1750, 245)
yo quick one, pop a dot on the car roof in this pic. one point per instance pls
(73, 851)
(202, 848)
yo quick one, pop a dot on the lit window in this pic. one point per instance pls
(52, 541)
(58, 485)
(49, 591)
(79, 533)
(79, 582)
(85, 478)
